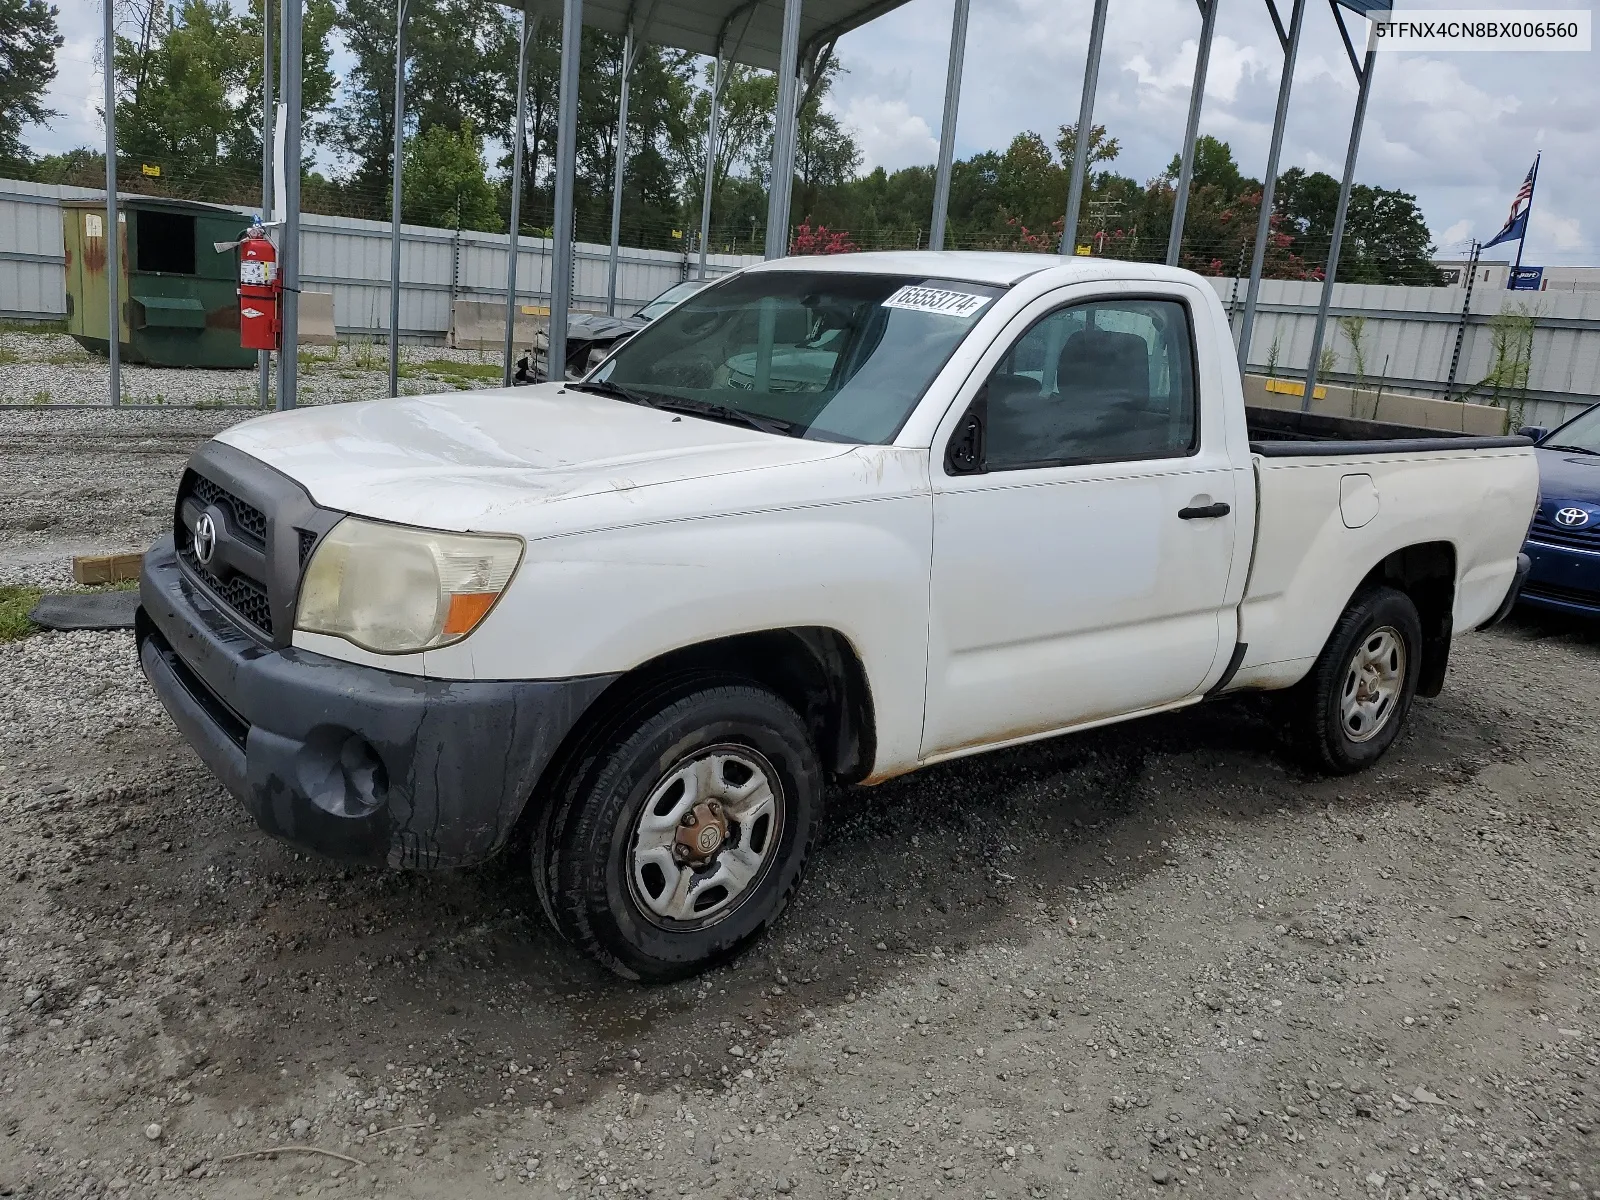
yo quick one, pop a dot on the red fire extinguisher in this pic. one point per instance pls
(259, 292)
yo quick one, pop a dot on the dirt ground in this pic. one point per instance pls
(1154, 959)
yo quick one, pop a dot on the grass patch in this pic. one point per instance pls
(444, 368)
(6, 356)
(34, 326)
(15, 605)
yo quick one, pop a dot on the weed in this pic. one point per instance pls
(15, 605)
(42, 398)
(34, 326)
(457, 372)
(6, 356)
(1355, 328)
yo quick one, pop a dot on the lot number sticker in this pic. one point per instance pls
(936, 300)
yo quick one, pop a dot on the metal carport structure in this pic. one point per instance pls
(790, 37)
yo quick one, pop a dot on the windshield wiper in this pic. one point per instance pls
(699, 408)
(1572, 449)
(723, 412)
(604, 387)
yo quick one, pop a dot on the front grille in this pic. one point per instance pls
(1553, 591)
(249, 520)
(239, 592)
(1583, 537)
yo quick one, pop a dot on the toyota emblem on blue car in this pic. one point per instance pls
(1567, 516)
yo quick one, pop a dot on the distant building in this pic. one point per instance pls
(1493, 273)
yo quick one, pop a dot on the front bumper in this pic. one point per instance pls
(1562, 579)
(349, 761)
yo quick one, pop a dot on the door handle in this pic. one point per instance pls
(1219, 509)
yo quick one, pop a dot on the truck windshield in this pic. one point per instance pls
(814, 354)
(1581, 434)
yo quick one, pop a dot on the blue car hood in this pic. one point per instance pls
(1564, 475)
(1568, 480)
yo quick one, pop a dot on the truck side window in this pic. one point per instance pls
(1105, 381)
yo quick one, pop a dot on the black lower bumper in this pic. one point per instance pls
(349, 761)
(1506, 605)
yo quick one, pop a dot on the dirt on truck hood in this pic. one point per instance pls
(481, 460)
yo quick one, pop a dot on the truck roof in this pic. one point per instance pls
(975, 266)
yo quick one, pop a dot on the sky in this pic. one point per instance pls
(1459, 130)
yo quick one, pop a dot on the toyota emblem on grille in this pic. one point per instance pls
(205, 539)
(1571, 517)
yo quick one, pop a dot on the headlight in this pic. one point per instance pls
(395, 590)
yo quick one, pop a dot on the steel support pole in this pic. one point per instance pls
(778, 197)
(947, 125)
(619, 171)
(1080, 156)
(1258, 257)
(1191, 130)
(1362, 91)
(718, 76)
(289, 252)
(268, 120)
(514, 226)
(394, 199)
(113, 238)
(566, 171)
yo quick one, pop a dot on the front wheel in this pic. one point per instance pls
(1351, 706)
(684, 835)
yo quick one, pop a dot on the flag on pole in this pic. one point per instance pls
(1516, 226)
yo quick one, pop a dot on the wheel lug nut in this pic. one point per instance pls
(688, 819)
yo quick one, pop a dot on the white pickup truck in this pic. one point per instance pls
(827, 520)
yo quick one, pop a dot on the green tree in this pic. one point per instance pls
(29, 39)
(175, 84)
(443, 181)
(1386, 238)
(189, 92)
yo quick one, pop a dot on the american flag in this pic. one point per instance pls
(1524, 193)
(1517, 223)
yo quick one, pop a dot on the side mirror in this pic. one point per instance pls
(964, 455)
(1537, 432)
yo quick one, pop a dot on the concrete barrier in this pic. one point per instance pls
(316, 319)
(481, 324)
(1368, 404)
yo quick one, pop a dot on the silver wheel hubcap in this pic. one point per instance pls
(705, 836)
(1372, 683)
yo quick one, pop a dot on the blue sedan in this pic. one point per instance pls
(1564, 541)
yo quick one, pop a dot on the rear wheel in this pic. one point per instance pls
(1350, 708)
(684, 833)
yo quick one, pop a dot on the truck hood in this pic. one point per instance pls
(493, 460)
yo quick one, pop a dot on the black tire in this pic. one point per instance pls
(586, 851)
(1332, 740)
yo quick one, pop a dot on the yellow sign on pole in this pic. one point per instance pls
(151, 169)
(1084, 249)
(678, 233)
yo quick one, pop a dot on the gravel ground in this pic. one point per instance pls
(51, 368)
(1153, 959)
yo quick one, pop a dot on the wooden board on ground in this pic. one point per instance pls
(90, 569)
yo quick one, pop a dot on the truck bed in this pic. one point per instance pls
(1282, 433)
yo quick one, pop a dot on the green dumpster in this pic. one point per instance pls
(179, 303)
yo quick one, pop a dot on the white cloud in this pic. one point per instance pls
(1564, 233)
(889, 134)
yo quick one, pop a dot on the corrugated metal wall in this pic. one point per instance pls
(350, 258)
(1409, 336)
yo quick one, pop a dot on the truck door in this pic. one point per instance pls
(1084, 524)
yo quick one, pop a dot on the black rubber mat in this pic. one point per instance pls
(86, 610)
